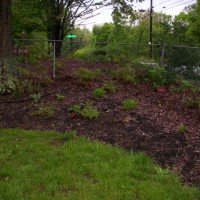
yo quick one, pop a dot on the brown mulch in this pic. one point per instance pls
(151, 127)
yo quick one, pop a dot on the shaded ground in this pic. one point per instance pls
(151, 127)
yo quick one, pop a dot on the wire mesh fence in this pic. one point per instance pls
(182, 60)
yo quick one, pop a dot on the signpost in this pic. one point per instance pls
(71, 36)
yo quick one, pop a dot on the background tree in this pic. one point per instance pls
(8, 69)
(60, 16)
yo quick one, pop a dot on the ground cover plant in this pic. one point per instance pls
(151, 127)
(99, 93)
(50, 165)
(129, 104)
(86, 110)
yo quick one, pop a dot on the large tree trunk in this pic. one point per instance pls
(8, 69)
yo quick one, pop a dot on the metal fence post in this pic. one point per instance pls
(54, 59)
(163, 55)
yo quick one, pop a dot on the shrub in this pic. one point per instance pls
(129, 104)
(84, 53)
(158, 76)
(85, 75)
(110, 87)
(85, 110)
(25, 87)
(184, 85)
(99, 92)
(127, 74)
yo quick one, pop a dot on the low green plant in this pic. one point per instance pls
(129, 104)
(182, 129)
(157, 75)
(185, 85)
(59, 97)
(109, 86)
(45, 111)
(23, 72)
(99, 93)
(84, 53)
(86, 110)
(85, 75)
(127, 74)
(36, 97)
(192, 97)
(26, 86)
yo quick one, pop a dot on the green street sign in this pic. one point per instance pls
(71, 36)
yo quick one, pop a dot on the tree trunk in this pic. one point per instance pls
(58, 48)
(8, 69)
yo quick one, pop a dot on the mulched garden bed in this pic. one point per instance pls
(151, 127)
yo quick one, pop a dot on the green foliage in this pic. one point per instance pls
(129, 104)
(25, 87)
(127, 74)
(160, 77)
(84, 53)
(99, 92)
(86, 110)
(109, 87)
(185, 85)
(101, 34)
(23, 72)
(182, 129)
(59, 97)
(192, 101)
(84, 75)
(157, 75)
(8, 74)
(36, 97)
(76, 108)
(45, 111)
(94, 54)
(192, 97)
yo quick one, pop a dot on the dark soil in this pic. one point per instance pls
(151, 127)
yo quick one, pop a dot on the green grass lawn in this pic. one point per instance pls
(47, 165)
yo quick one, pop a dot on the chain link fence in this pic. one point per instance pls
(182, 60)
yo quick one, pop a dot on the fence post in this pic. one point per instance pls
(163, 55)
(54, 59)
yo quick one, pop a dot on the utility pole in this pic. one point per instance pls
(151, 29)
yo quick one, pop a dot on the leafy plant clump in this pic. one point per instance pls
(182, 129)
(45, 111)
(36, 97)
(84, 75)
(127, 74)
(160, 77)
(129, 104)
(59, 97)
(110, 87)
(86, 110)
(99, 93)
